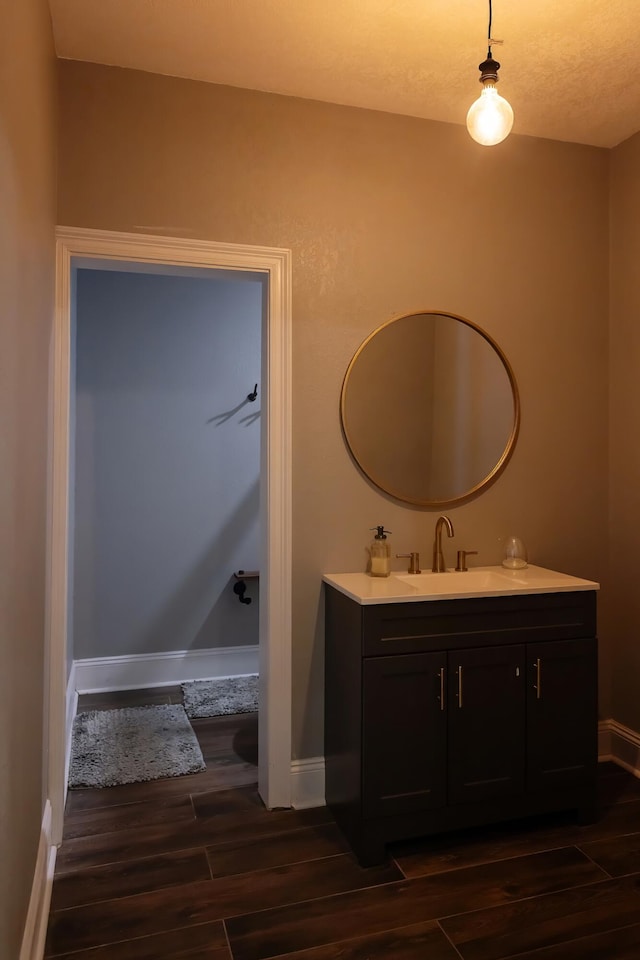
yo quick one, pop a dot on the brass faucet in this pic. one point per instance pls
(438, 558)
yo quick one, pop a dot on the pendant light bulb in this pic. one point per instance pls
(490, 117)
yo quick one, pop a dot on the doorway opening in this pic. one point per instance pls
(88, 249)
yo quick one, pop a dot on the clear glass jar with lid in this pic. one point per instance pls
(515, 554)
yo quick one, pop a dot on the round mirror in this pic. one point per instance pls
(430, 408)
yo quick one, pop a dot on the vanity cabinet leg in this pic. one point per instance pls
(371, 851)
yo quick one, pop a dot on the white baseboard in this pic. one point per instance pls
(35, 928)
(604, 741)
(307, 783)
(620, 744)
(103, 674)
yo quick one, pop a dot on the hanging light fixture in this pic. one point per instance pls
(490, 118)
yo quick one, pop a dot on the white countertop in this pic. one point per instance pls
(495, 581)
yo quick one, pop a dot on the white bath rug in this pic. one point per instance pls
(131, 745)
(220, 697)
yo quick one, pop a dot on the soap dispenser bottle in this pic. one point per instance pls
(380, 553)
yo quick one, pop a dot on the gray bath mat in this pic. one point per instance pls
(131, 745)
(222, 696)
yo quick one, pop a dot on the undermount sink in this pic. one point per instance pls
(457, 581)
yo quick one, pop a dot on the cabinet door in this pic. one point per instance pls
(486, 723)
(404, 734)
(562, 713)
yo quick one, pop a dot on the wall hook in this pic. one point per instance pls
(239, 588)
(252, 396)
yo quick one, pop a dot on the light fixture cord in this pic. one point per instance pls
(489, 31)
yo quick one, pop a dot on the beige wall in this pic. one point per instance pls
(27, 202)
(624, 455)
(384, 215)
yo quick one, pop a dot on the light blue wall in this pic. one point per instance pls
(167, 458)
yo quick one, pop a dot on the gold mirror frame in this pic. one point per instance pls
(393, 490)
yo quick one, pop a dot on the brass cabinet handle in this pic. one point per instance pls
(538, 685)
(459, 687)
(442, 688)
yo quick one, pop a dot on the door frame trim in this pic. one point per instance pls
(274, 769)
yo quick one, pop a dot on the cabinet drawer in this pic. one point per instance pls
(444, 624)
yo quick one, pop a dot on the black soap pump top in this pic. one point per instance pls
(380, 553)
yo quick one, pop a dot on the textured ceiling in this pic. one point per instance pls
(569, 67)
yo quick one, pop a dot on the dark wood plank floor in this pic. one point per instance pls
(194, 868)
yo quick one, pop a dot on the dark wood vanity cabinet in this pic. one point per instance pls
(452, 713)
